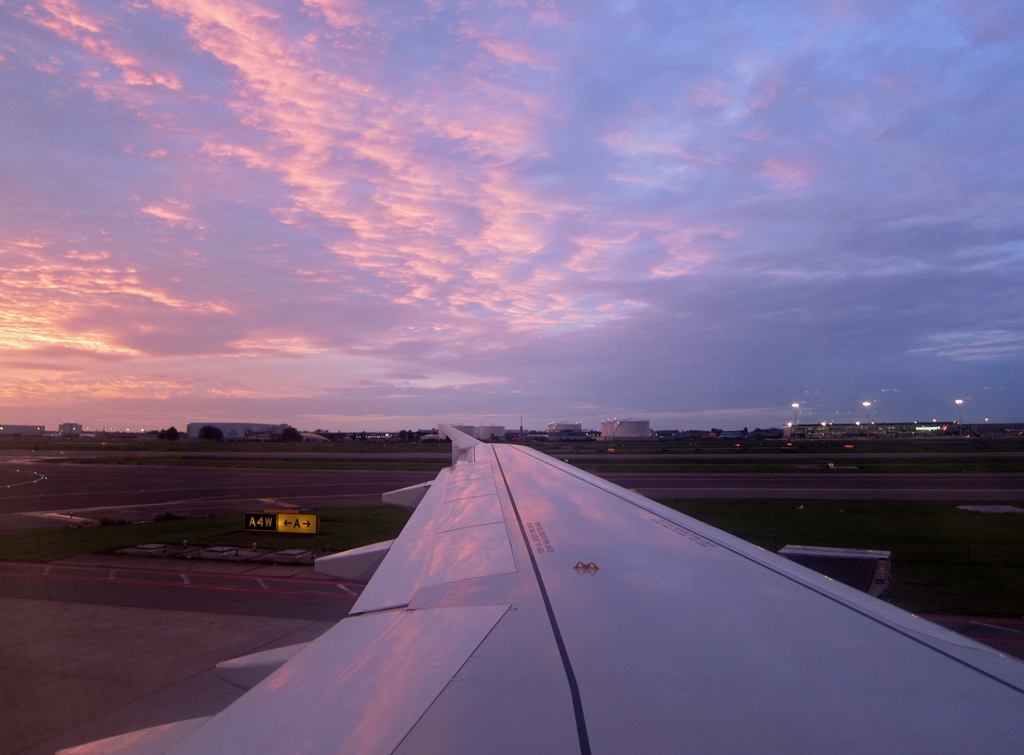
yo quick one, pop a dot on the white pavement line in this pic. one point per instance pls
(350, 592)
(262, 584)
(276, 502)
(993, 626)
(184, 578)
(27, 482)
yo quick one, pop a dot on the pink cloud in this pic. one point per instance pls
(173, 212)
(787, 173)
(67, 20)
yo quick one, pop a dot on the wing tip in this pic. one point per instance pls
(463, 444)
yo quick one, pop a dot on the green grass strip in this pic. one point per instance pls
(945, 560)
(340, 529)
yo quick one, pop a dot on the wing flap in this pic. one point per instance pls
(155, 740)
(249, 670)
(457, 532)
(470, 512)
(406, 498)
(360, 688)
(408, 559)
(356, 564)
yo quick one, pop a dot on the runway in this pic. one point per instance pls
(35, 492)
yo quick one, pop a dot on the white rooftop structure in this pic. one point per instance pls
(625, 429)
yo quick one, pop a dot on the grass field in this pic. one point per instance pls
(801, 465)
(340, 529)
(945, 560)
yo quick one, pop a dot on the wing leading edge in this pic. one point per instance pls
(530, 606)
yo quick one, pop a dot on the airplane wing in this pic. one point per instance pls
(528, 606)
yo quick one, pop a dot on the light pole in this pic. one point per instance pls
(867, 411)
(960, 414)
(796, 407)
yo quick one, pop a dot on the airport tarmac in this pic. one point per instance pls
(106, 645)
(38, 493)
(97, 646)
(93, 656)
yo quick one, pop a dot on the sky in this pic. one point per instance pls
(377, 215)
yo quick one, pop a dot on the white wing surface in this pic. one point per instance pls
(531, 607)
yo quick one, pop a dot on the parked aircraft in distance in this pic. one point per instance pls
(528, 606)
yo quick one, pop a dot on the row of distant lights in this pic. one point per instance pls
(88, 430)
(112, 430)
(867, 410)
(39, 478)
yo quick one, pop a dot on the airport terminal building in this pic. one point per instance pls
(875, 430)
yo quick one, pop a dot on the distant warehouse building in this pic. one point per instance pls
(22, 430)
(238, 430)
(480, 432)
(625, 429)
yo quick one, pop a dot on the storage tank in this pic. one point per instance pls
(489, 432)
(625, 429)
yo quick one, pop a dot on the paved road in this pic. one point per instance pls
(104, 645)
(174, 584)
(36, 493)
